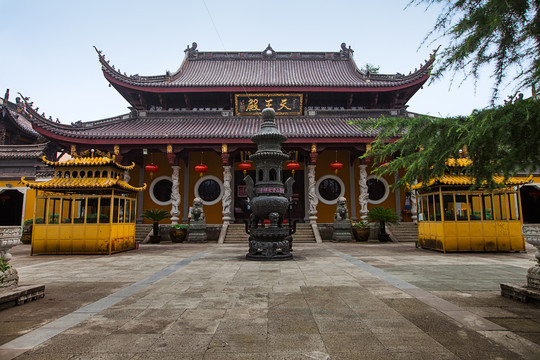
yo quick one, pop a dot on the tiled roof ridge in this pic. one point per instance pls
(195, 56)
(26, 147)
(18, 122)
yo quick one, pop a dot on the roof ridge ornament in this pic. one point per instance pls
(345, 52)
(192, 51)
(269, 53)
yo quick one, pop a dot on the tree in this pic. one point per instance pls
(370, 69)
(156, 215)
(502, 33)
(499, 140)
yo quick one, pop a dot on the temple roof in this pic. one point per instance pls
(211, 127)
(11, 112)
(19, 152)
(267, 69)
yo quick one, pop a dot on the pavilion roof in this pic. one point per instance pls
(268, 69)
(463, 180)
(80, 183)
(88, 161)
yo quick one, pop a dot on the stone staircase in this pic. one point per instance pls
(304, 233)
(141, 231)
(405, 231)
(236, 234)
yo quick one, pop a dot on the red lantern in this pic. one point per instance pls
(151, 168)
(201, 168)
(336, 165)
(293, 166)
(244, 166)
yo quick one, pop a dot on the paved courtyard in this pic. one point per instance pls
(334, 301)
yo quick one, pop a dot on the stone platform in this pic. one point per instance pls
(366, 300)
(19, 295)
(521, 293)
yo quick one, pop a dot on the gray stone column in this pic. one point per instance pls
(313, 202)
(364, 196)
(312, 195)
(414, 208)
(175, 195)
(226, 200)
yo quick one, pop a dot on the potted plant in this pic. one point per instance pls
(156, 215)
(26, 237)
(383, 215)
(361, 230)
(178, 232)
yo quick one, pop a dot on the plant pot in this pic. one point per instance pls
(383, 237)
(361, 233)
(177, 235)
(154, 239)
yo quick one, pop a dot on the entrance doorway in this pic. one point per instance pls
(530, 203)
(11, 208)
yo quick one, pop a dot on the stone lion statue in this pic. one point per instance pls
(342, 213)
(197, 212)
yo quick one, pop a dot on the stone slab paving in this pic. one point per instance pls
(334, 301)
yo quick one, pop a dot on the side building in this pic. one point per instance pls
(21, 150)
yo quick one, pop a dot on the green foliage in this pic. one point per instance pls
(180, 226)
(39, 220)
(504, 34)
(383, 215)
(360, 224)
(4, 266)
(156, 215)
(371, 69)
(499, 141)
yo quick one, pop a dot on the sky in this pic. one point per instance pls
(48, 52)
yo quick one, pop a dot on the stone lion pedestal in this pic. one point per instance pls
(342, 223)
(11, 293)
(197, 224)
(529, 292)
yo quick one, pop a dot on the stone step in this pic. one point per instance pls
(404, 232)
(141, 231)
(236, 234)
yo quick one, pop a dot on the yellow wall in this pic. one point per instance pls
(215, 167)
(165, 169)
(29, 197)
(326, 212)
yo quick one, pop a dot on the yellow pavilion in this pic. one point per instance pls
(451, 217)
(87, 208)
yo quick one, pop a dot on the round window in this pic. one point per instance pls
(160, 190)
(209, 189)
(329, 188)
(378, 190)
